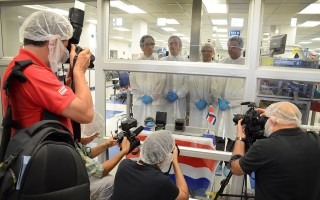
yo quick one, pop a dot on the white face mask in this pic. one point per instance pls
(268, 128)
(58, 53)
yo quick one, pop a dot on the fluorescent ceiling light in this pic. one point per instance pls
(223, 39)
(305, 42)
(215, 6)
(117, 37)
(237, 22)
(161, 21)
(121, 29)
(179, 34)
(127, 8)
(169, 29)
(55, 10)
(92, 21)
(266, 33)
(265, 39)
(222, 35)
(293, 22)
(311, 9)
(317, 39)
(310, 24)
(36, 7)
(214, 28)
(222, 30)
(117, 21)
(172, 21)
(219, 22)
(214, 35)
(185, 38)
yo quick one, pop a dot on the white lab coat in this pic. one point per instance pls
(147, 84)
(199, 88)
(174, 58)
(230, 89)
(238, 61)
(178, 84)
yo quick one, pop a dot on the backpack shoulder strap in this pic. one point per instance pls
(7, 121)
(16, 73)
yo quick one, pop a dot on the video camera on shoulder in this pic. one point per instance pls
(76, 17)
(127, 126)
(254, 123)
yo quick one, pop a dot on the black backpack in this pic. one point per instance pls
(41, 161)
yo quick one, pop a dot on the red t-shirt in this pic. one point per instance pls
(42, 91)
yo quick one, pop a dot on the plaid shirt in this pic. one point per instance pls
(93, 167)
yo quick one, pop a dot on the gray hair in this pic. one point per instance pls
(177, 37)
(210, 45)
(236, 39)
(143, 38)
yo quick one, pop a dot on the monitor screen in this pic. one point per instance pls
(278, 44)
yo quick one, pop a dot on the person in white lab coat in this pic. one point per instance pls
(228, 92)
(147, 88)
(200, 91)
(176, 87)
(235, 46)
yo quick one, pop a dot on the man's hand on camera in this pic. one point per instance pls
(240, 130)
(111, 142)
(175, 154)
(82, 61)
(261, 111)
(125, 145)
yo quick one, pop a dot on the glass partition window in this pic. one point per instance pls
(12, 18)
(184, 104)
(289, 37)
(304, 94)
(213, 23)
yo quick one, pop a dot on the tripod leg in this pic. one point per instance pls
(223, 185)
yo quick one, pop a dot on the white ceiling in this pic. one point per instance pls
(276, 13)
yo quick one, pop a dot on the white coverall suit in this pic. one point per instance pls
(199, 88)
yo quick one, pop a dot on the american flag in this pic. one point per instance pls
(210, 116)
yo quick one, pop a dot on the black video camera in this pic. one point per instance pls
(76, 17)
(254, 123)
(126, 127)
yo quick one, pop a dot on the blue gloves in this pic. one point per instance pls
(223, 104)
(146, 99)
(201, 104)
(150, 124)
(172, 97)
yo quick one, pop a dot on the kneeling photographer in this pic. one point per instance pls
(101, 181)
(144, 179)
(285, 163)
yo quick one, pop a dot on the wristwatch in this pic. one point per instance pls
(241, 139)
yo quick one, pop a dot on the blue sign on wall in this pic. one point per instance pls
(234, 33)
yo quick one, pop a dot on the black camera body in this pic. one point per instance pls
(254, 123)
(76, 17)
(131, 135)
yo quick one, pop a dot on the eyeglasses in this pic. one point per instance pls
(149, 44)
(208, 51)
(234, 47)
(173, 43)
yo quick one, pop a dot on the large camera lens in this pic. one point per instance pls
(237, 117)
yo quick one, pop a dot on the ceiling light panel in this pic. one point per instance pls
(169, 29)
(219, 22)
(237, 22)
(310, 24)
(311, 9)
